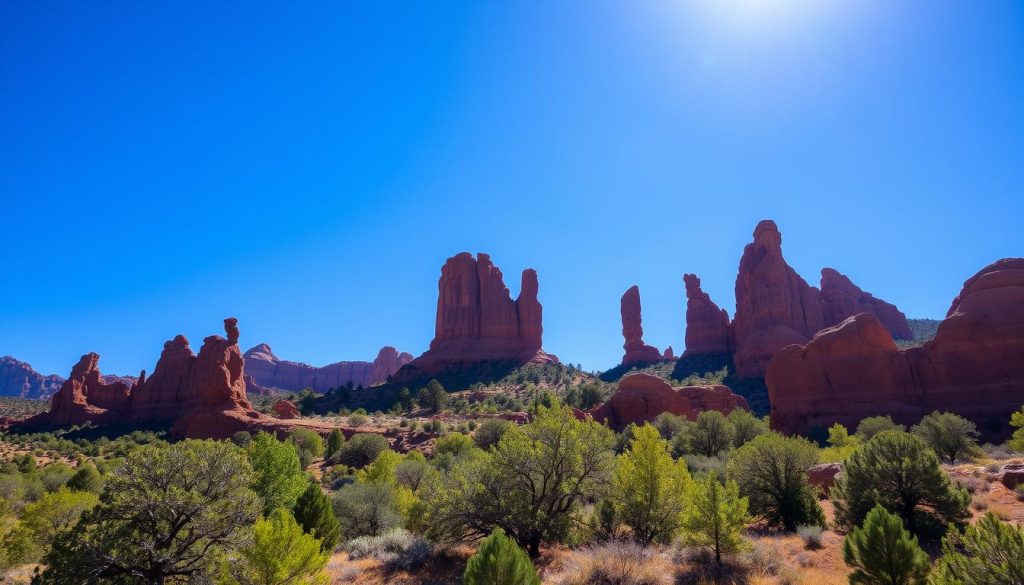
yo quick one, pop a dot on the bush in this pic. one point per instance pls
(883, 553)
(280, 553)
(710, 434)
(650, 489)
(490, 432)
(334, 442)
(811, 535)
(366, 509)
(948, 434)
(898, 471)
(314, 513)
(670, 425)
(362, 449)
(771, 471)
(308, 444)
(989, 553)
(499, 561)
(871, 426)
(278, 472)
(86, 479)
(745, 426)
(397, 548)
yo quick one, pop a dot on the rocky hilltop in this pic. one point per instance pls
(974, 366)
(478, 322)
(269, 371)
(198, 396)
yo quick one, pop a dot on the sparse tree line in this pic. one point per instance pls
(246, 511)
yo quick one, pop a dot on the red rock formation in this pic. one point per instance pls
(840, 299)
(973, 366)
(774, 306)
(824, 475)
(477, 320)
(669, 354)
(285, 409)
(272, 372)
(637, 351)
(19, 379)
(642, 397)
(707, 326)
(84, 397)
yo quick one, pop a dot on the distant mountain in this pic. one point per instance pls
(270, 371)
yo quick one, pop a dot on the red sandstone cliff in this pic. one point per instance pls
(707, 326)
(477, 320)
(842, 299)
(974, 366)
(633, 331)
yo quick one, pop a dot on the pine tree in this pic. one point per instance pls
(650, 489)
(314, 513)
(334, 442)
(500, 561)
(716, 516)
(990, 552)
(280, 554)
(882, 552)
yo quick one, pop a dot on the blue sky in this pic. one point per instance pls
(309, 168)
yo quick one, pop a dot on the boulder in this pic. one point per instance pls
(707, 326)
(477, 321)
(841, 299)
(285, 409)
(641, 398)
(824, 475)
(637, 352)
(972, 367)
(1011, 475)
(774, 306)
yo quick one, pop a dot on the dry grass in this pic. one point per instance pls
(616, 563)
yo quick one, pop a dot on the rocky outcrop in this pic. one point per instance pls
(841, 299)
(707, 326)
(972, 367)
(270, 371)
(285, 409)
(199, 396)
(642, 397)
(18, 379)
(477, 320)
(774, 306)
(823, 475)
(637, 352)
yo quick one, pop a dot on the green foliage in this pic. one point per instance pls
(278, 477)
(242, 438)
(499, 561)
(990, 552)
(314, 513)
(872, 425)
(771, 471)
(306, 402)
(883, 553)
(42, 521)
(366, 509)
(649, 488)
(669, 425)
(531, 483)
(280, 553)
(899, 472)
(335, 442)
(362, 449)
(490, 432)
(839, 437)
(745, 426)
(1017, 420)
(412, 471)
(308, 444)
(948, 434)
(453, 444)
(716, 517)
(167, 512)
(86, 479)
(432, 397)
(710, 434)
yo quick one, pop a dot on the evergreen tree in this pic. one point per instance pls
(771, 471)
(1017, 420)
(335, 442)
(499, 561)
(710, 434)
(898, 471)
(86, 479)
(872, 425)
(278, 473)
(650, 489)
(281, 554)
(948, 434)
(716, 517)
(313, 511)
(990, 552)
(883, 553)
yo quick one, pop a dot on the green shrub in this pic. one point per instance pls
(883, 553)
(308, 444)
(949, 435)
(771, 471)
(872, 425)
(314, 513)
(490, 432)
(990, 552)
(362, 449)
(499, 561)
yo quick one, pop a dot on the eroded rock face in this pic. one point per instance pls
(387, 362)
(642, 397)
(774, 306)
(285, 409)
(707, 326)
(841, 299)
(633, 331)
(972, 367)
(477, 320)
(272, 372)
(85, 397)
(18, 379)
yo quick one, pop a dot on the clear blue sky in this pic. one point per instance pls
(309, 168)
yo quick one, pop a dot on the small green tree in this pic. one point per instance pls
(366, 509)
(670, 425)
(898, 471)
(990, 552)
(872, 425)
(771, 471)
(42, 521)
(281, 554)
(334, 442)
(432, 397)
(710, 434)
(839, 437)
(499, 561)
(278, 475)
(308, 444)
(745, 426)
(362, 449)
(313, 511)
(1017, 420)
(948, 434)
(716, 517)
(489, 432)
(883, 553)
(86, 479)
(650, 489)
